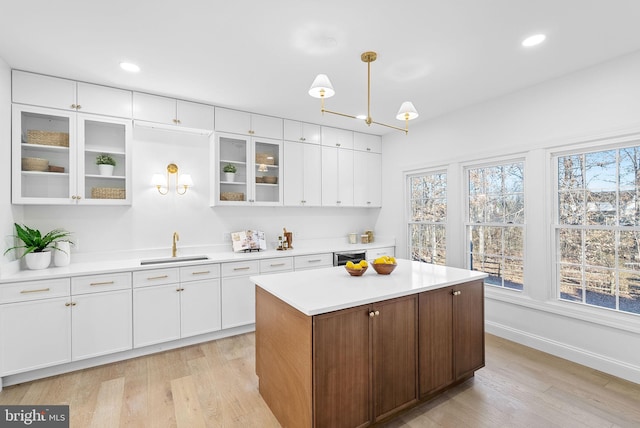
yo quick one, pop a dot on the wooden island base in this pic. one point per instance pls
(363, 365)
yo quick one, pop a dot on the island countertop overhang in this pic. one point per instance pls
(320, 291)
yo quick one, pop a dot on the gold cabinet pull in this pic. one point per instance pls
(276, 264)
(70, 304)
(39, 290)
(457, 293)
(242, 268)
(377, 313)
(314, 261)
(179, 289)
(374, 314)
(204, 272)
(157, 277)
(93, 284)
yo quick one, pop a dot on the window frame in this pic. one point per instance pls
(495, 162)
(408, 208)
(583, 149)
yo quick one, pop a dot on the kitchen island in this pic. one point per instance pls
(339, 351)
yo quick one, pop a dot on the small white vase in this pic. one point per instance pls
(62, 256)
(230, 176)
(40, 260)
(105, 169)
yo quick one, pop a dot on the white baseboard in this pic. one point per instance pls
(581, 356)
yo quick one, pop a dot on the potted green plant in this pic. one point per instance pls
(105, 164)
(35, 245)
(229, 172)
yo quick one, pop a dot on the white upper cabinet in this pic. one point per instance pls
(337, 177)
(335, 137)
(367, 142)
(169, 111)
(240, 122)
(54, 157)
(301, 132)
(367, 177)
(64, 94)
(302, 174)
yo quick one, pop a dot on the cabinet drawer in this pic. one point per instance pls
(281, 264)
(34, 290)
(98, 283)
(146, 278)
(377, 252)
(240, 268)
(194, 273)
(313, 261)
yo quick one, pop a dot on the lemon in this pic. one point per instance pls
(393, 260)
(379, 261)
(357, 267)
(363, 263)
(350, 264)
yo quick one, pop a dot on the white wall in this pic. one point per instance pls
(8, 213)
(593, 103)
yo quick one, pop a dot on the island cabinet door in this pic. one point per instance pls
(394, 355)
(468, 328)
(341, 363)
(451, 335)
(435, 340)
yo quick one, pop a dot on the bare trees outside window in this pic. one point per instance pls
(496, 223)
(428, 215)
(598, 228)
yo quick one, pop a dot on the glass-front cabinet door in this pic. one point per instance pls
(267, 171)
(44, 156)
(248, 171)
(55, 155)
(233, 174)
(103, 160)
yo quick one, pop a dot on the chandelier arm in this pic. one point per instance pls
(338, 113)
(405, 130)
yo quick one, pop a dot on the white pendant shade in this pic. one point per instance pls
(407, 108)
(320, 84)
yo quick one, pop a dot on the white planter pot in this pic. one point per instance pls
(105, 169)
(62, 256)
(40, 260)
(229, 176)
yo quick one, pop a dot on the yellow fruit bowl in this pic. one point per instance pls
(384, 268)
(356, 272)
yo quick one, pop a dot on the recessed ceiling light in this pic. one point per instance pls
(533, 40)
(361, 116)
(127, 66)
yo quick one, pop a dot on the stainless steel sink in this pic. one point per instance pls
(173, 260)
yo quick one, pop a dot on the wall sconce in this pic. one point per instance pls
(183, 181)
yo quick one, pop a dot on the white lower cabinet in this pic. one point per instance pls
(156, 314)
(35, 334)
(101, 324)
(169, 304)
(238, 293)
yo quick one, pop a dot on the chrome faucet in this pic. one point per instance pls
(174, 247)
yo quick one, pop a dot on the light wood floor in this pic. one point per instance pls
(214, 385)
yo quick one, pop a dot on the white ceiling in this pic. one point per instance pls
(261, 56)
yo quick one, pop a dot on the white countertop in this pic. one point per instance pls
(133, 263)
(325, 290)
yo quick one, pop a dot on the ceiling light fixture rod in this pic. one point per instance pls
(322, 88)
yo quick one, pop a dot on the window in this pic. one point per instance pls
(598, 228)
(496, 223)
(428, 214)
